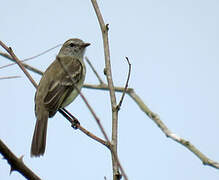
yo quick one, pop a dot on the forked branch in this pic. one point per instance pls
(205, 160)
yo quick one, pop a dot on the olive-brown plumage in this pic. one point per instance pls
(56, 89)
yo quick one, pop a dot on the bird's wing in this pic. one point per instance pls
(61, 88)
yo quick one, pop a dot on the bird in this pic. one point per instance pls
(58, 87)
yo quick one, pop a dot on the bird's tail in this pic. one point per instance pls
(39, 137)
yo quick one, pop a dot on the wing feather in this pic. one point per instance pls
(62, 87)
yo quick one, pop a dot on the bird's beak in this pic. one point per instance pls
(85, 44)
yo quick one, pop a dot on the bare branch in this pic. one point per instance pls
(76, 125)
(104, 29)
(147, 111)
(93, 136)
(205, 160)
(17, 163)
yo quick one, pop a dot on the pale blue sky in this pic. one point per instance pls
(173, 47)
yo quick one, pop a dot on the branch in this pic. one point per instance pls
(106, 88)
(10, 51)
(205, 160)
(104, 29)
(17, 163)
(76, 125)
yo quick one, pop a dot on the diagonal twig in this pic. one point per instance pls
(10, 51)
(95, 72)
(27, 59)
(31, 68)
(76, 125)
(126, 86)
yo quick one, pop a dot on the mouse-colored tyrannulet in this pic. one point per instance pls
(56, 89)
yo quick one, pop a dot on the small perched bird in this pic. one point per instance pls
(57, 89)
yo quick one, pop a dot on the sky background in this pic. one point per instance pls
(173, 48)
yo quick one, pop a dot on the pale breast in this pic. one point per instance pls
(75, 93)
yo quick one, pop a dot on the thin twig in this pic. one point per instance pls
(76, 125)
(126, 85)
(6, 55)
(10, 51)
(105, 87)
(93, 136)
(27, 59)
(31, 68)
(9, 77)
(95, 72)
(17, 163)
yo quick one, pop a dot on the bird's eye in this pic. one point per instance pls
(72, 44)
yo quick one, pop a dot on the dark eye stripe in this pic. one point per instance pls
(72, 44)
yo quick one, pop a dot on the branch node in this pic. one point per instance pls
(205, 162)
(118, 107)
(115, 108)
(21, 158)
(187, 143)
(105, 71)
(118, 176)
(107, 27)
(75, 125)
